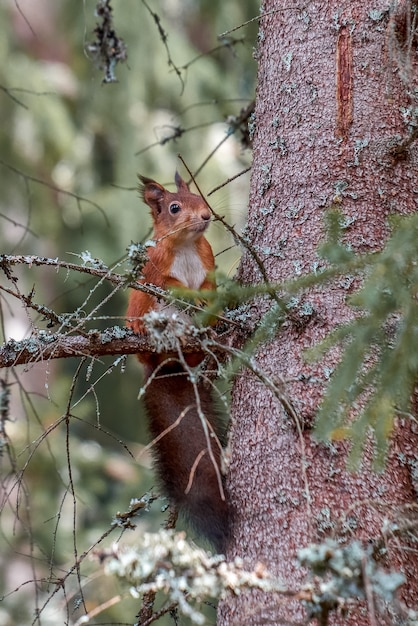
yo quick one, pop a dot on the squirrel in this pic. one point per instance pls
(187, 453)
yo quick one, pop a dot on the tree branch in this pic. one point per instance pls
(112, 341)
(97, 269)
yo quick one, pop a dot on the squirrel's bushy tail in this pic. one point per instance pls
(187, 449)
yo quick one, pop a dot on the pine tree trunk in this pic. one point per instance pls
(334, 82)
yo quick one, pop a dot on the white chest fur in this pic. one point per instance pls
(188, 268)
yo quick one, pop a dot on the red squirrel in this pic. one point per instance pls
(187, 453)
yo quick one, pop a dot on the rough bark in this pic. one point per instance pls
(333, 78)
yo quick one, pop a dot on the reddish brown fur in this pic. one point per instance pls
(196, 488)
(188, 461)
(171, 233)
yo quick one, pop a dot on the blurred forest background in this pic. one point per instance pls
(71, 148)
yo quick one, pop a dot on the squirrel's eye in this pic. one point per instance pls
(174, 208)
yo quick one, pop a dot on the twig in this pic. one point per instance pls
(225, 44)
(70, 194)
(257, 18)
(226, 182)
(178, 131)
(158, 614)
(12, 97)
(84, 619)
(164, 38)
(147, 608)
(146, 615)
(368, 588)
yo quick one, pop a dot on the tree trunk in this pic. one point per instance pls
(334, 83)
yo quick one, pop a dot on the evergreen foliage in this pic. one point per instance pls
(375, 378)
(378, 369)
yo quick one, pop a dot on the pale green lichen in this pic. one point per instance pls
(167, 562)
(287, 61)
(359, 145)
(112, 333)
(137, 257)
(252, 126)
(89, 260)
(344, 570)
(377, 14)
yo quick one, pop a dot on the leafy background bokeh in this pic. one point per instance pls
(71, 148)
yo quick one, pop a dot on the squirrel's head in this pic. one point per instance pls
(181, 214)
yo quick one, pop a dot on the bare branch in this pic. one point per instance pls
(177, 132)
(227, 43)
(164, 37)
(229, 180)
(64, 192)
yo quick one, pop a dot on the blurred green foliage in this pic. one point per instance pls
(71, 148)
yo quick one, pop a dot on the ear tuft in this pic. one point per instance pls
(144, 182)
(180, 183)
(152, 192)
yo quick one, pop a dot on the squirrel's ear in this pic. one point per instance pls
(152, 193)
(180, 183)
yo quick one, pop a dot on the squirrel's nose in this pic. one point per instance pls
(205, 216)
